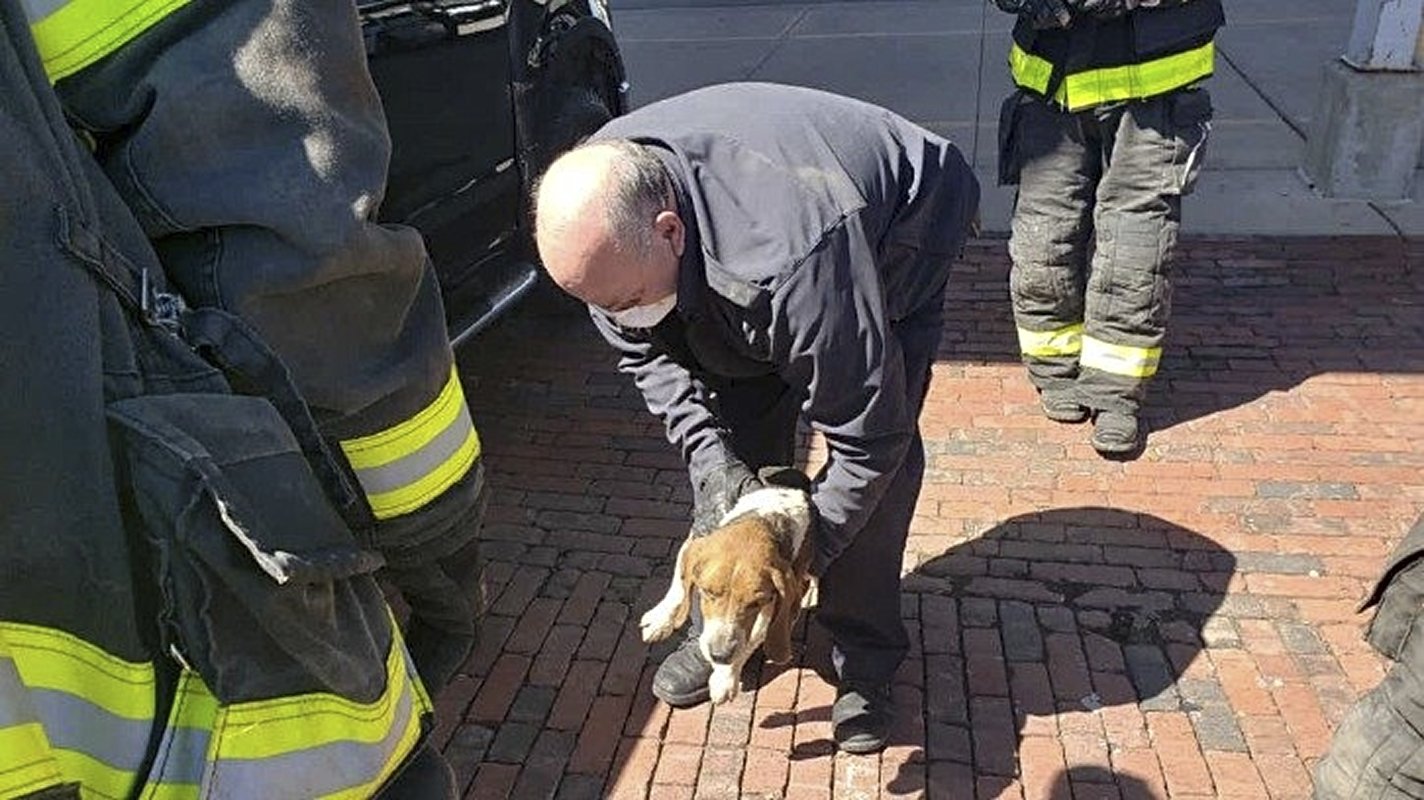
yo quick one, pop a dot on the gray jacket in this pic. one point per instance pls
(815, 223)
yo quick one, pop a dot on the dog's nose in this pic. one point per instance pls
(721, 652)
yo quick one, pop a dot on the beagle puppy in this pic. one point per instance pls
(751, 574)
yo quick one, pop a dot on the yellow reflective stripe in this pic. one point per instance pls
(1066, 341)
(405, 466)
(1134, 81)
(1093, 87)
(1120, 359)
(51, 659)
(417, 494)
(306, 744)
(1029, 71)
(266, 728)
(83, 31)
(172, 791)
(29, 765)
(96, 779)
(67, 672)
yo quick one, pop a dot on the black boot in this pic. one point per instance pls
(681, 680)
(862, 716)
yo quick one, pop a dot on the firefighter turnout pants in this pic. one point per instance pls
(248, 140)
(1093, 236)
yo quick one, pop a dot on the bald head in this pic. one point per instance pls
(606, 226)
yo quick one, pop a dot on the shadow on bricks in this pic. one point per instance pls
(1057, 637)
(1248, 317)
(1096, 782)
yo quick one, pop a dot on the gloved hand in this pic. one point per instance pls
(1106, 8)
(1040, 13)
(717, 490)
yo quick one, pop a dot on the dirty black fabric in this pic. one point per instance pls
(1377, 752)
(1092, 40)
(141, 486)
(70, 347)
(269, 211)
(1094, 229)
(442, 581)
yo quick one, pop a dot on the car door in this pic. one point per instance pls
(442, 70)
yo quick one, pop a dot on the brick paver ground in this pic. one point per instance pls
(1182, 625)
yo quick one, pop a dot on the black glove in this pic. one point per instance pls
(1040, 13)
(1106, 8)
(717, 490)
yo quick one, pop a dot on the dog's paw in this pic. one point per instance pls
(657, 623)
(724, 684)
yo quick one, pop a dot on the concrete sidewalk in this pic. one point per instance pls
(1178, 626)
(943, 64)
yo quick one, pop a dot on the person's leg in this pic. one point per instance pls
(1058, 169)
(859, 593)
(1153, 150)
(249, 141)
(442, 582)
(760, 414)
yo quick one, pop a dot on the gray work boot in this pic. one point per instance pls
(862, 716)
(1115, 433)
(681, 680)
(1060, 406)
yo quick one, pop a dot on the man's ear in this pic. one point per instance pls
(668, 225)
(789, 589)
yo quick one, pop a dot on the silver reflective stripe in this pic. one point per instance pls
(14, 704)
(315, 771)
(37, 10)
(408, 469)
(73, 723)
(185, 753)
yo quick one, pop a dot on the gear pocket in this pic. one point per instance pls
(264, 590)
(1010, 164)
(1191, 115)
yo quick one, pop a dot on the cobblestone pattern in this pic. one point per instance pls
(1177, 626)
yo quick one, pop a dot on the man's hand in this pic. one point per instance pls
(1040, 13)
(717, 491)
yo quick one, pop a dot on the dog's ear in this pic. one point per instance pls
(789, 589)
(690, 562)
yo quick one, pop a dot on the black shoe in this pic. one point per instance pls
(862, 716)
(1115, 433)
(1060, 406)
(681, 680)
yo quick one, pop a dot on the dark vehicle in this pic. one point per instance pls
(480, 95)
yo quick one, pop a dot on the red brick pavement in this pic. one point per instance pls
(1181, 625)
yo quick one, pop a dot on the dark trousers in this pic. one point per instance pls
(859, 594)
(1094, 235)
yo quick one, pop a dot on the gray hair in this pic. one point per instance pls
(638, 189)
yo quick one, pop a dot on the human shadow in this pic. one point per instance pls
(1094, 782)
(1248, 317)
(1069, 624)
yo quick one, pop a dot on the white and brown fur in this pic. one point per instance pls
(751, 575)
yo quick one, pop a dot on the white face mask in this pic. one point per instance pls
(647, 316)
